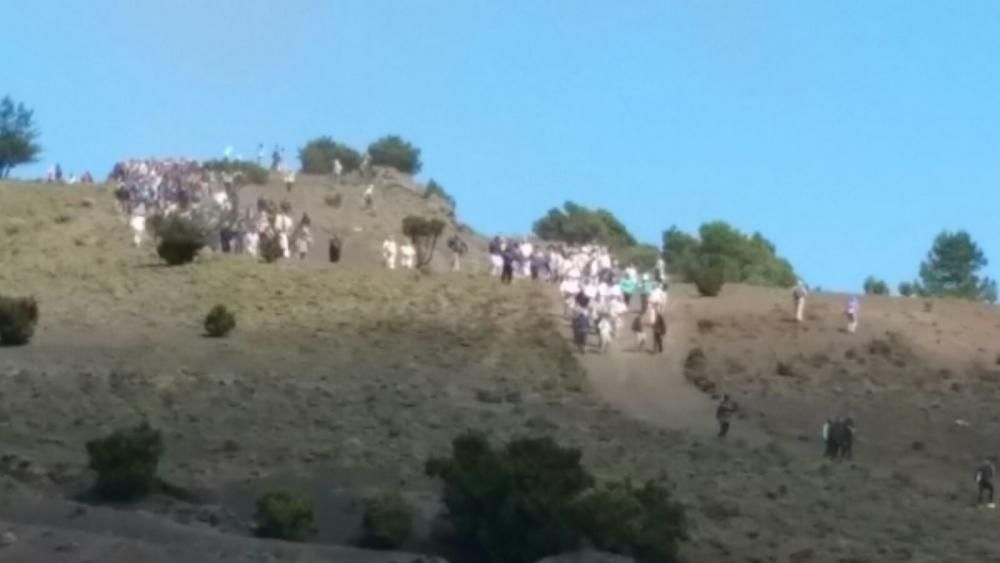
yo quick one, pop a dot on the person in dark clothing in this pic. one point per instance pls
(659, 331)
(507, 276)
(847, 447)
(581, 326)
(335, 245)
(724, 414)
(582, 300)
(984, 479)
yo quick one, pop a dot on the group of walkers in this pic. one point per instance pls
(54, 175)
(799, 294)
(405, 254)
(598, 293)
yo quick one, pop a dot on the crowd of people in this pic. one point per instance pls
(54, 175)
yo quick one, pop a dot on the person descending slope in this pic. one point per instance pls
(853, 309)
(724, 414)
(984, 480)
(458, 249)
(799, 294)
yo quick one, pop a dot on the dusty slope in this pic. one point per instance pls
(340, 381)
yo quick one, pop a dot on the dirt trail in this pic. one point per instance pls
(652, 388)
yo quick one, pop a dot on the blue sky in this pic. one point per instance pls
(848, 132)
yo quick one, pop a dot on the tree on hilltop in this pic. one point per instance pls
(318, 155)
(952, 269)
(17, 136)
(875, 286)
(394, 152)
(576, 224)
(741, 258)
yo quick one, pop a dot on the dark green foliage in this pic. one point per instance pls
(219, 322)
(318, 155)
(334, 200)
(575, 224)
(387, 522)
(394, 152)
(642, 256)
(907, 289)
(644, 523)
(436, 189)
(17, 136)
(270, 248)
(513, 505)
(743, 259)
(710, 278)
(126, 462)
(243, 171)
(423, 233)
(952, 269)
(284, 515)
(18, 317)
(180, 240)
(875, 286)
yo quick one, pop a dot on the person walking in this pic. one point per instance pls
(984, 480)
(369, 197)
(458, 249)
(799, 294)
(389, 250)
(659, 331)
(289, 180)
(639, 330)
(724, 414)
(853, 309)
(507, 275)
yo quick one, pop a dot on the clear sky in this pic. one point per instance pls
(848, 132)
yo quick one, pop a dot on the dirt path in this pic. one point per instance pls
(652, 388)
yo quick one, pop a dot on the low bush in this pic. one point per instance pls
(219, 322)
(18, 317)
(644, 523)
(709, 279)
(435, 189)
(394, 152)
(875, 286)
(270, 248)
(387, 522)
(423, 233)
(334, 201)
(318, 155)
(512, 505)
(284, 515)
(126, 462)
(180, 240)
(243, 171)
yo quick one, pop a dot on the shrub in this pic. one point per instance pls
(394, 152)
(387, 522)
(126, 462)
(244, 171)
(512, 505)
(907, 289)
(180, 240)
(18, 317)
(423, 233)
(318, 155)
(436, 189)
(334, 200)
(875, 286)
(642, 522)
(219, 322)
(284, 515)
(270, 248)
(709, 279)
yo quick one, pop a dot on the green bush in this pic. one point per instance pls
(126, 462)
(641, 522)
(18, 317)
(219, 322)
(244, 171)
(387, 522)
(875, 286)
(436, 189)
(750, 259)
(180, 240)
(709, 279)
(270, 248)
(318, 155)
(423, 233)
(394, 152)
(334, 200)
(513, 505)
(907, 289)
(284, 515)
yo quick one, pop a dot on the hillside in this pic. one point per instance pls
(341, 379)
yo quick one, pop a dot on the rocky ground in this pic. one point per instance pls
(341, 380)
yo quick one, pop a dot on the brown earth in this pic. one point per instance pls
(341, 379)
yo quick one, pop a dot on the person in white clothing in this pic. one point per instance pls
(799, 294)
(369, 197)
(389, 249)
(407, 255)
(289, 179)
(138, 223)
(338, 168)
(658, 299)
